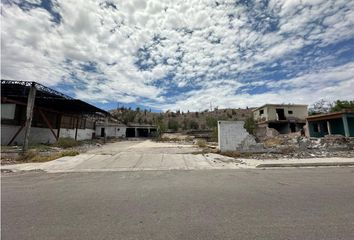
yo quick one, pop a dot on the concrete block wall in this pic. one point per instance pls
(37, 135)
(41, 135)
(230, 135)
(82, 134)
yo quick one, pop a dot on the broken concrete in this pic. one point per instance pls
(232, 136)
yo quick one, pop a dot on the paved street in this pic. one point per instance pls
(316, 203)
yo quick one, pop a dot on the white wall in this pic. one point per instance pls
(112, 131)
(230, 135)
(82, 134)
(41, 135)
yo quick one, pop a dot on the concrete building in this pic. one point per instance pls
(285, 118)
(140, 130)
(32, 113)
(337, 123)
(112, 130)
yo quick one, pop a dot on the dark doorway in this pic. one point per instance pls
(102, 132)
(292, 127)
(280, 113)
(130, 132)
(143, 132)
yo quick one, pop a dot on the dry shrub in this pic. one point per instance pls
(201, 143)
(67, 143)
(272, 142)
(35, 156)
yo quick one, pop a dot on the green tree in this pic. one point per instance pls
(173, 124)
(339, 105)
(193, 124)
(211, 122)
(128, 117)
(250, 125)
(185, 124)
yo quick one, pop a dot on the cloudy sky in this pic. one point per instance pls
(182, 54)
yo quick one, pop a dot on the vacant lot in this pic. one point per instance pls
(134, 155)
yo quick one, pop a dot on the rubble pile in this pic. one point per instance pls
(295, 146)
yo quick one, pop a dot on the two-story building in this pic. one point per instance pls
(284, 118)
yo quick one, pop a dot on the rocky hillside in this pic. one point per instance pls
(179, 121)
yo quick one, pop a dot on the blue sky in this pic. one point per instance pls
(182, 54)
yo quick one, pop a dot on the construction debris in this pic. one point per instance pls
(295, 146)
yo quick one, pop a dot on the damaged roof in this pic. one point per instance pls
(280, 105)
(13, 91)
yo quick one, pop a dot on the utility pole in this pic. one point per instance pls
(29, 115)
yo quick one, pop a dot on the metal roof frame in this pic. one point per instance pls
(14, 90)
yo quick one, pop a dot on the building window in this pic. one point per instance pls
(261, 111)
(290, 112)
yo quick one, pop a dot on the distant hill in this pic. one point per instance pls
(181, 121)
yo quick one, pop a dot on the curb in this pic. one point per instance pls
(320, 164)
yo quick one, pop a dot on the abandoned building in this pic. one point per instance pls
(43, 115)
(284, 118)
(40, 114)
(140, 130)
(337, 123)
(110, 129)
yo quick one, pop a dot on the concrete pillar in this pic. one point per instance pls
(105, 128)
(346, 126)
(29, 114)
(76, 129)
(59, 116)
(136, 132)
(329, 128)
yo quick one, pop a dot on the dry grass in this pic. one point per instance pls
(272, 142)
(236, 154)
(201, 143)
(67, 143)
(35, 156)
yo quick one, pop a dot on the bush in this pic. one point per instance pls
(250, 125)
(173, 124)
(211, 122)
(201, 143)
(194, 125)
(67, 143)
(214, 135)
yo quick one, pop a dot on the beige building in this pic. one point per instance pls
(285, 118)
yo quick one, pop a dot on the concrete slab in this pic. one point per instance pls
(148, 155)
(95, 162)
(124, 160)
(194, 161)
(151, 161)
(173, 161)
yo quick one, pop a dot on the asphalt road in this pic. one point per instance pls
(209, 204)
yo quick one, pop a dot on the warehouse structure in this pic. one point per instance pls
(32, 113)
